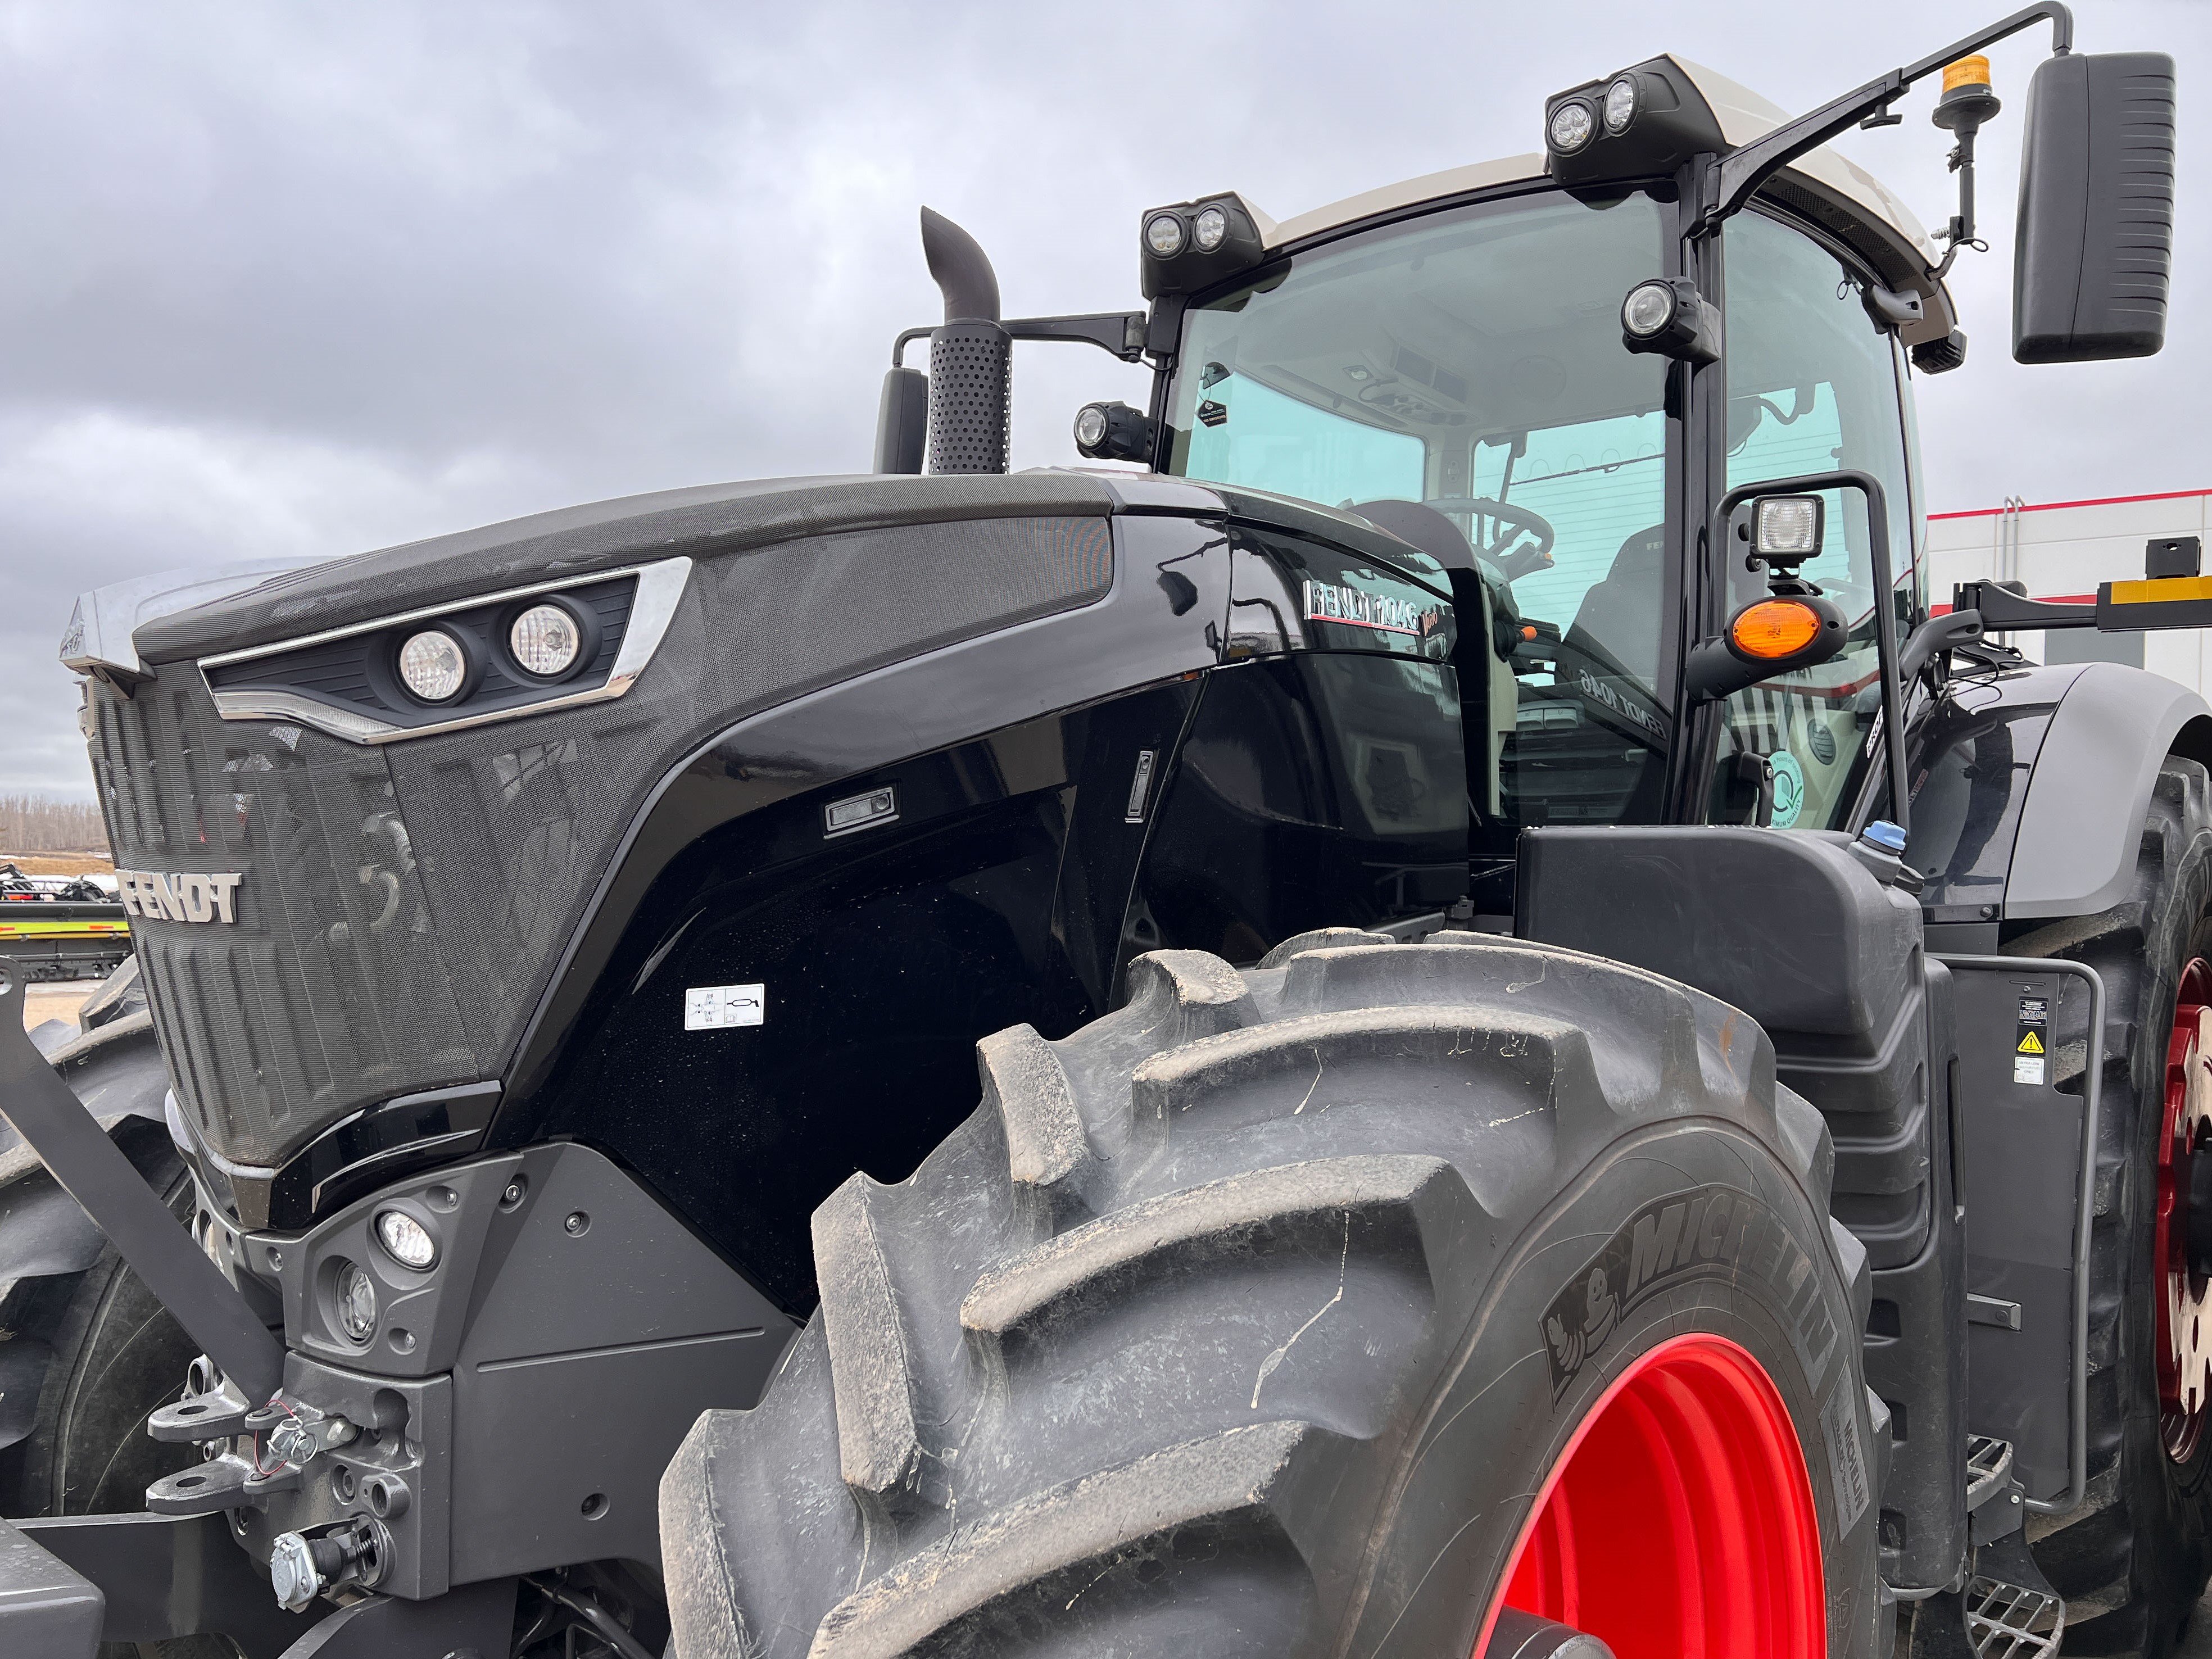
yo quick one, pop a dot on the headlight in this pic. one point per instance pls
(1571, 126)
(432, 666)
(545, 640)
(1649, 307)
(356, 1300)
(1163, 235)
(1090, 427)
(1210, 229)
(407, 1239)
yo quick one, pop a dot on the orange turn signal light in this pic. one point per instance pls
(1775, 629)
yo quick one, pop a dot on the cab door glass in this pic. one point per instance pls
(1812, 387)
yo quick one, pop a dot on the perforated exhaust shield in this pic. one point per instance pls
(399, 910)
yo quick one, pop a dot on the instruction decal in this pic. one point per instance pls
(719, 1008)
(2031, 1044)
(1839, 1425)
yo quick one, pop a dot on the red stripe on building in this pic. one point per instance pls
(2052, 506)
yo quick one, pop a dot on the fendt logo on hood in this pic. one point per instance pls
(179, 898)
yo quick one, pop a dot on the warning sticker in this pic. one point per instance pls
(718, 1007)
(2031, 1041)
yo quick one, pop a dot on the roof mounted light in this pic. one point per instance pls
(1638, 123)
(1620, 105)
(1190, 246)
(1573, 124)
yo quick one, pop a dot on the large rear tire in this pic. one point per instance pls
(2132, 1560)
(1331, 1307)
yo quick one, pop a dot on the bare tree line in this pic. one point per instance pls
(39, 823)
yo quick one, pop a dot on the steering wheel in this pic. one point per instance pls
(1499, 525)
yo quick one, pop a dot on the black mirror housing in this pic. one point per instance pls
(903, 421)
(2095, 246)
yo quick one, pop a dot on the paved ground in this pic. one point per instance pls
(60, 1001)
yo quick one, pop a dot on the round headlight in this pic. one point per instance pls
(1163, 235)
(431, 666)
(357, 1297)
(1571, 126)
(1210, 229)
(1090, 427)
(408, 1239)
(545, 640)
(1649, 307)
(1620, 105)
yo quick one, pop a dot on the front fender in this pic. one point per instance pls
(2028, 788)
(2075, 855)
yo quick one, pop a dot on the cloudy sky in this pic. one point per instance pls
(305, 279)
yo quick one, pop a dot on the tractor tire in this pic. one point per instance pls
(2133, 1558)
(1318, 1308)
(85, 1350)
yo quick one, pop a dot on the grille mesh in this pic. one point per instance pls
(329, 992)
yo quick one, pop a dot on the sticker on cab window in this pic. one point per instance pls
(1788, 788)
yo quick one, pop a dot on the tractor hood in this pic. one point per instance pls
(348, 906)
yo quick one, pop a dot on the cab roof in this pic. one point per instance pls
(1829, 189)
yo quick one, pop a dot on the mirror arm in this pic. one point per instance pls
(2003, 610)
(1733, 178)
(1121, 332)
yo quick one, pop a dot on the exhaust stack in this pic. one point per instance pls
(971, 358)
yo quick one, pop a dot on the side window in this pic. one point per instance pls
(1812, 387)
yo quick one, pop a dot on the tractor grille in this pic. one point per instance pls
(329, 991)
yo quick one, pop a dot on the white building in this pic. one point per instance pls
(2063, 551)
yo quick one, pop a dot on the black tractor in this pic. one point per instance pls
(1489, 785)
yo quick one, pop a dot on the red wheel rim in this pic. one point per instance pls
(2184, 1322)
(1679, 1523)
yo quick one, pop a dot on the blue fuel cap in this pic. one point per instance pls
(1884, 834)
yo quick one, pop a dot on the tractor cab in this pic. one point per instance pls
(1646, 397)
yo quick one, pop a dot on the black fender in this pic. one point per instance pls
(2028, 786)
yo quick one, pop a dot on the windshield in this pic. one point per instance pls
(1472, 361)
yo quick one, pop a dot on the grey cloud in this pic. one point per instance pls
(311, 278)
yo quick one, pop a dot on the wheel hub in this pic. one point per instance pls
(2182, 1248)
(1679, 1522)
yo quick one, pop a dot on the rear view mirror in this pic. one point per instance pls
(2096, 209)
